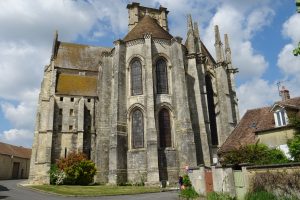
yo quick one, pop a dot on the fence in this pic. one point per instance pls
(236, 182)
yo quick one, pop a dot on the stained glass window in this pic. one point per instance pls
(136, 78)
(137, 129)
(161, 77)
(164, 128)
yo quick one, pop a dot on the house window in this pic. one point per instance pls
(280, 118)
(136, 78)
(161, 77)
(72, 99)
(137, 129)
(164, 128)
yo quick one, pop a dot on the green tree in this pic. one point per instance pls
(294, 144)
(296, 51)
(294, 148)
(255, 154)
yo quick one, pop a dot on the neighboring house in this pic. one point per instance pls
(268, 125)
(14, 161)
(142, 109)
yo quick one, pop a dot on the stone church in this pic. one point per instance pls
(143, 109)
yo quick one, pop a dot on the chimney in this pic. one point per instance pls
(284, 93)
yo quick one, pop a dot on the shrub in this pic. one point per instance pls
(81, 173)
(77, 168)
(72, 159)
(260, 195)
(279, 183)
(219, 196)
(294, 148)
(255, 154)
(186, 181)
(294, 144)
(53, 170)
(189, 193)
(57, 176)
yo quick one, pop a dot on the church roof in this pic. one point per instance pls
(77, 56)
(147, 25)
(254, 121)
(72, 84)
(11, 150)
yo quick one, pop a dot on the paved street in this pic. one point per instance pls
(10, 191)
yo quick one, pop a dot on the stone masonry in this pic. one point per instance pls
(141, 110)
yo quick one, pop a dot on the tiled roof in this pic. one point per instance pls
(77, 56)
(244, 132)
(11, 150)
(147, 25)
(293, 102)
(71, 84)
(255, 120)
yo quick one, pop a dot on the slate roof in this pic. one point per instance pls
(147, 25)
(71, 84)
(254, 120)
(11, 150)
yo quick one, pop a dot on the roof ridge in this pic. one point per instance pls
(260, 108)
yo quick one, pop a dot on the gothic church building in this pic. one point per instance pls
(142, 109)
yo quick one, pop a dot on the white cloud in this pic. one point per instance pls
(258, 19)
(250, 65)
(21, 68)
(22, 114)
(289, 63)
(291, 28)
(256, 93)
(241, 28)
(22, 137)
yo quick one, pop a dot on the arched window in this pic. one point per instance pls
(164, 128)
(161, 77)
(136, 78)
(137, 129)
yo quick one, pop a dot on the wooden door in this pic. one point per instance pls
(15, 171)
(208, 180)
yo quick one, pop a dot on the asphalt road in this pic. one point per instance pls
(10, 191)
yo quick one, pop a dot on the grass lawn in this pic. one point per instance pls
(97, 190)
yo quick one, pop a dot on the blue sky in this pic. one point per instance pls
(262, 35)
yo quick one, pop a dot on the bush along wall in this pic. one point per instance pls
(188, 191)
(75, 169)
(258, 154)
(282, 184)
